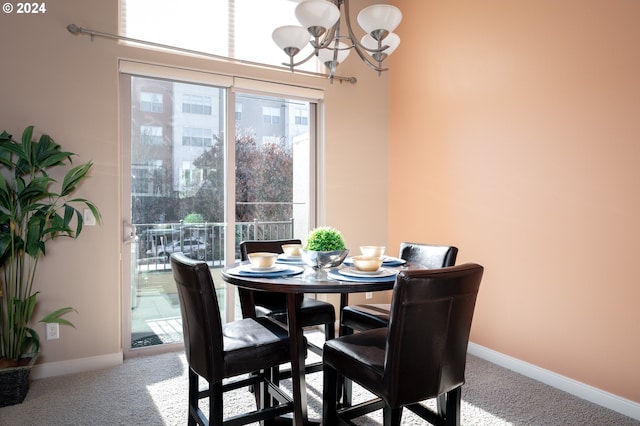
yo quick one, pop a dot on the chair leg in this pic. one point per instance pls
(452, 413)
(329, 331)
(347, 392)
(275, 379)
(265, 400)
(259, 390)
(347, 386)
(193, 398)
(391, 416)
(215, 404)
(441, 405)
(330, 396)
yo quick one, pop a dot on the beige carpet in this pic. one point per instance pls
(152, 391)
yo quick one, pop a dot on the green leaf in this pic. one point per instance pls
(27, 143)
(29, 306)
(73, 177)
(48, 153)
(79, 221)
(91, 206)
(55, 317)
(31, 342)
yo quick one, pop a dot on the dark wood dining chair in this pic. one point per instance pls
(217, 351)
(376, 315)
(369, 316)
(420, 355)
(274, 305)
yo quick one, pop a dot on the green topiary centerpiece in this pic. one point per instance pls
(324, 248)
(325, 238)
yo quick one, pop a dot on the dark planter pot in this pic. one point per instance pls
(14, 382)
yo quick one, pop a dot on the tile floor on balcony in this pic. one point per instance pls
(155, 314)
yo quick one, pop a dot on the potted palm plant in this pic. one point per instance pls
(34, 210)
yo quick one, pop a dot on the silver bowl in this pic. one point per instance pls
(324, 259)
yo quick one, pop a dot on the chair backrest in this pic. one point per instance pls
(271, 246)
(201, 321)
(430, 256)
(268, 300)
(428, 333)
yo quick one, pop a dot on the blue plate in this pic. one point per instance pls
(393, 261)
(286, 260)
(336, 274)
(279, 271)
(388, 261)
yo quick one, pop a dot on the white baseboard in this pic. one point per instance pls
(608, 400)
(80, 365)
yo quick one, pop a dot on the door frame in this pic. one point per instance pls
(230, 85)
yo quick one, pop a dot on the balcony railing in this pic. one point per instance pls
(202, 241)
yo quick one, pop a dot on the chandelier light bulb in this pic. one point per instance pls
(326, 55)
(317, 15)
(291, 38)
(379, 18)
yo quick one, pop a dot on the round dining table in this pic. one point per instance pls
(295, 283)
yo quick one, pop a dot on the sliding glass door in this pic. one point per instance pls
(205, 167)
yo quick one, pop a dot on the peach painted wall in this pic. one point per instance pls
(515, 135)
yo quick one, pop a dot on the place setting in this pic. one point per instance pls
(370, 266)
(263, 265)
(292, 255)
(377, 251)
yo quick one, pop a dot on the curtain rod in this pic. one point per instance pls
(74, 29)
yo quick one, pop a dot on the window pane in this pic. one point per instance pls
(177, 196)
(272, 167)
(196, 104)
(151, 102)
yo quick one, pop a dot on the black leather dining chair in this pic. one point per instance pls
(274, 305)
(420, 355)
(369, 316)
(217, 351)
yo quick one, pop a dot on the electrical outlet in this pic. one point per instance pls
(368, 295)
(88, 217)
(52, 330)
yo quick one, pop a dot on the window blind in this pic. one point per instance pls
(238, 29)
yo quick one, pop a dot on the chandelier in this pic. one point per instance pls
(320, 26)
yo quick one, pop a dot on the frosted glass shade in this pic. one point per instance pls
(392, 40)
(317, 13)
(379, 17)
(326, 55)
(291, 36)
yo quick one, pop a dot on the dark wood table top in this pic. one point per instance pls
(309, 281)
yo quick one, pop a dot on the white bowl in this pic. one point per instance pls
(372, 251)
(292, 250)
(367, 263)
(262, 260)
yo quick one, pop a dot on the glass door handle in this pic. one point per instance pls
(128, 232)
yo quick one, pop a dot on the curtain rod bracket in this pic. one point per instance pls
(73, 28)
